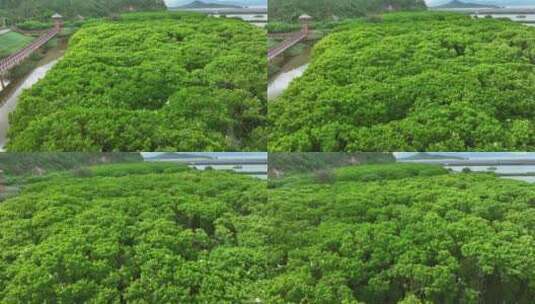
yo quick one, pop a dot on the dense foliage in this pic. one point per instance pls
(12, 42)
(150, 82)
(31, 25)
(290, 10)
(305, 162)
(414, 235)
(164, 233)
(43, 9)
(40, 163)
(135, 233)
(414, 81)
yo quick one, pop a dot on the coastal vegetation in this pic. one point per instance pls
(12, 42)
(401, 233)
(289, 10)
(280, 163)
(413, 82)
(161, 232)
(133, 233)
(20, 10)
(17, 164)
(150, 82)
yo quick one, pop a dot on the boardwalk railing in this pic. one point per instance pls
(286, 44)
(13, 60)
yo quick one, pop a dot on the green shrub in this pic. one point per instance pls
(414, 82)
(402, 233)
(324, 177)
(152, 238)
(281, 27)
(32, 25)
(150, 82)
(387, 172)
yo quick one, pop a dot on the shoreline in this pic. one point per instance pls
(50, 55)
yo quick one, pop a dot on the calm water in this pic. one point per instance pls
(257, 16)
(283, 80)
(245, 169)
(528, 15)
(6, 83)
(256, 170)
(293, 68)
(501, 170)
(11, 102)
(256, 19)
(517, 17)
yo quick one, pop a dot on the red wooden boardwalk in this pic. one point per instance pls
(13, 60)
(286, 44)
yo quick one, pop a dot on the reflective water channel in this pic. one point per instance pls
(256, 15)
(290, 70)
(11, 102)
(517, 169)
(296, 66)
(252, 166)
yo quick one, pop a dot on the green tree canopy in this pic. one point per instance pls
(415, 81)
(30, 163)
(164, 233)
(150, 82)
(43, 9)
(290, 10)
(133, 233)
(402, 233)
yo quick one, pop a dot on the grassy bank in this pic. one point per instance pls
(166, 72)
(12, 42)
(379, 85)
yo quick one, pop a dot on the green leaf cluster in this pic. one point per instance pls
(133, 233)
(23, 163)
(150, 82)
(415, 235)
(306, 162)
(43, 9)
(290, 10)
(413, 82)
(164, 233)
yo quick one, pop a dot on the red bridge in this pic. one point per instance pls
(286, 44)
(292, 40)
(13, 60)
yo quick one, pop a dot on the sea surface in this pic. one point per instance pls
(518, 169)
(259, 171)
(232, 161)
(256, 15)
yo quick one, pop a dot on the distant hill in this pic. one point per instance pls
(242, 3)
(171, 155)
(30, 9)
(282, 163)
(201, 4)
(290, 10)
(41, 163)
(423, 155)
(459, 4)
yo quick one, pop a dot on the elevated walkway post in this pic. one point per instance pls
(13, 60)
(292, 40)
